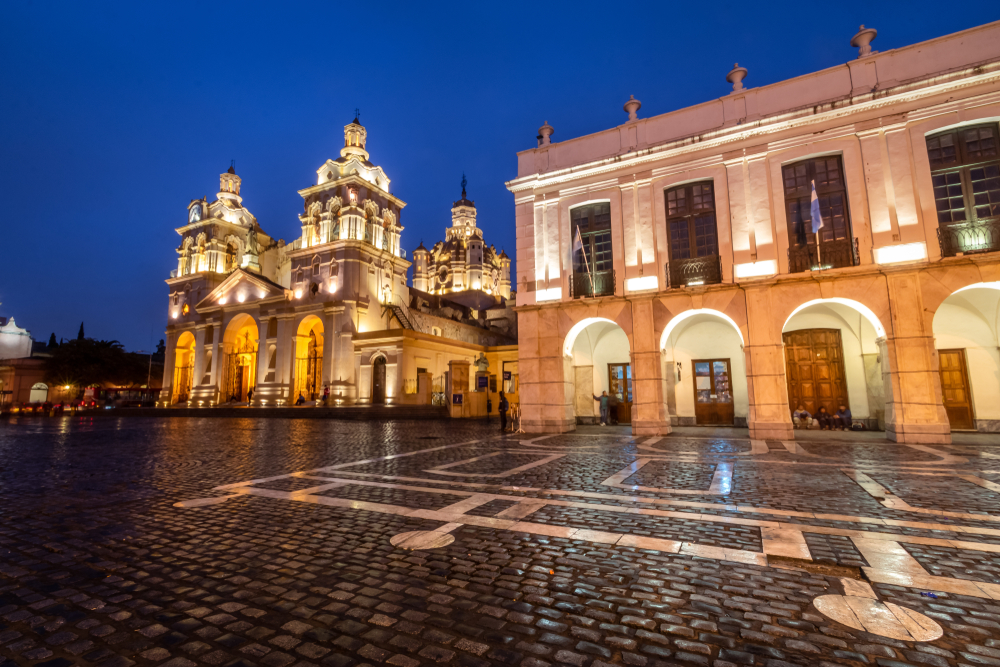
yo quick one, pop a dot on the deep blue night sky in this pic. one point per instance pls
(113, 119)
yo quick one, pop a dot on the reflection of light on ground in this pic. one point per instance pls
(878, 540)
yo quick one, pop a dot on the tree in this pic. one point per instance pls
(87, 362)
(52, 341)
(80, 335)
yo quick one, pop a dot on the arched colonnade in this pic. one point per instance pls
(909, 355)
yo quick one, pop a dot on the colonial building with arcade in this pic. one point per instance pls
(679, 262)
(323, 320)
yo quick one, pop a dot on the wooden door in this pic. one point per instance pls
(713, 392)
(620, 385)
(378, 381)
(955, 390)
(814, 366)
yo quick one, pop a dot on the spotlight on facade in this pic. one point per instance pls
(241, 298)
(298, 294)
(222, 300)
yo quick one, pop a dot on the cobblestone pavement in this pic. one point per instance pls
(183, 541)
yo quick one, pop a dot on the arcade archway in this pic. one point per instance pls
(704, 370)
(240, 362)
(183, 368)
(309, 359)
(597, 360)
(967, 339)
(835, 355)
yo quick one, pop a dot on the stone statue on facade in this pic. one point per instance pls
(482, 363)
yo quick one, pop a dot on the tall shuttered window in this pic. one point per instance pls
(593, 264)
(833, 245)
(965, 172)
(692, 235)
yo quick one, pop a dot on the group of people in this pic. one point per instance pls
(840, 421)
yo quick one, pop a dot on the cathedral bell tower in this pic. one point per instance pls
(355, 136)
(229, 185)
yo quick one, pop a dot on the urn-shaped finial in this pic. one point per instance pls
(632, 106)
(736, 76)
(863, 41)
(545, 132)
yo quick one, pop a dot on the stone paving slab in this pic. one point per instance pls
(99, 567)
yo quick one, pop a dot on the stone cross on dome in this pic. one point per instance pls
(464, 183)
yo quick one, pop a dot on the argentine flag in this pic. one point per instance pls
(817, 220)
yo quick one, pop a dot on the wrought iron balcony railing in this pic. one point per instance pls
(694, 271)
(832, 255)
(603, 284)
(969, 237)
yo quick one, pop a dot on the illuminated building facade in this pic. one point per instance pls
(254, 320)
(676, 262)
(463, 263)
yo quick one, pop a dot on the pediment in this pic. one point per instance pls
(242, 284)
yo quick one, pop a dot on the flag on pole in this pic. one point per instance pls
(817, 220)
(578, 247)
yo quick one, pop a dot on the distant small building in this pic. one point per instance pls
(15, 342)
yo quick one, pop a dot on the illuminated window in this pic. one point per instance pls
(965, 171)
(185, 310)
(593, 265)
(835, 237)
(436, 331)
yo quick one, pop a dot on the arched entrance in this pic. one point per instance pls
(378, 380)
(240, 364)
(183, 368)
(705, 370)
(598, 360)
(835, 355)
(966, 327)
(39, 393)
(309, 359)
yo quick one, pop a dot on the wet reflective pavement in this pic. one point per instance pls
(182, 541)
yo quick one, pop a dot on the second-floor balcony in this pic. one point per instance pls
(598, 283)
(831, 255)
(694, 271)
(969, 237)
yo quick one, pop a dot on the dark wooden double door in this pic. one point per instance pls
(814, 367)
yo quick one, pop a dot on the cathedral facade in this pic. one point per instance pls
(327, 319)
(255, 320)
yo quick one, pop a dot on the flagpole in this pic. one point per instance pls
(816, 221)
(578, 243)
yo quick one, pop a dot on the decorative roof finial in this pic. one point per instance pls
(736, 76)
(464, 183)
(357, 116)
(232, 167)
(632, 106)
(545, 132)
(863, 41)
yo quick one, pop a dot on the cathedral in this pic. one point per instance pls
(327, 319)
(462, 265)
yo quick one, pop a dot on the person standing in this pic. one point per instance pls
(603, 400)
(504, 406)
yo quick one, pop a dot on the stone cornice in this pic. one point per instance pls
(759, 129)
